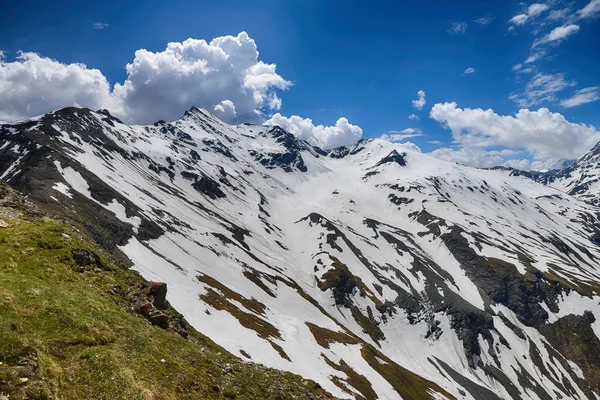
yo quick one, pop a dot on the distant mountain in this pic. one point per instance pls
(581, 179)
(562, 164)
(377, 271)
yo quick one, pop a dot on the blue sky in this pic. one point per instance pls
(364, 61)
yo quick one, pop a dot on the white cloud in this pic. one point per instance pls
(534, 57)
(420, 102)
(469, 156)
(483, 20)
(536, 9)
(519, 19)
(517, 67)
(458, 28)
(100, 25)
(559, 33)
(558, 15)
(196, 73)
(413, 117)
(224, 75)
(397, 136)
(341, 134)
(437, 142)
(583, 96)
(481, 158)
(469, 70)
(32, 85)
(531, 12)
(590, 10)
(225, 110)
(542, 88)
(542, 133)
(409, 146)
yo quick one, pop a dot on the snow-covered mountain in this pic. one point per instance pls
(562, 164)
(375, 270)
(581, 179)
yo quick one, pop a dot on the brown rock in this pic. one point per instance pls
(3, 224)
(145, 308)
(159, 319)
(158, 290)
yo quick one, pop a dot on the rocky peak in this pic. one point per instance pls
(195, 112)
(283, 137)
(393, 157)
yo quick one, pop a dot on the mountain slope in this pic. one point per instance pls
(582, 178)
(374, 270)
(68, 330)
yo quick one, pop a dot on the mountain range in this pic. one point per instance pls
(372, 269)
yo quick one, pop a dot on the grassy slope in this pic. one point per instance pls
(68, 332)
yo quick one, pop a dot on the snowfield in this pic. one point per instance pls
(375, 270)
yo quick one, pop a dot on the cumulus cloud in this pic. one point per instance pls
(398, 136)
(557, 34)
(197, 73)
(327, 137)
(225, 110)
(409, 146)
(420, 102)
(543, 134)
(583, 96)
(224, 75)
(32, 85)
(413, 117)
(469, 70)
(542, 88)
(458, 28)
(590, 10)
(100, 25)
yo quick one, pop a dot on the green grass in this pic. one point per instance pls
(68, 332)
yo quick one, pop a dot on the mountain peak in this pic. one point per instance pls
(393, 157)
(193, 111)
(562, 164)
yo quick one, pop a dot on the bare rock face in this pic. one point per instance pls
(158, 290)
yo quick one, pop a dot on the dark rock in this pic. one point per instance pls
(159, 319)
(158, 290)
(209, 187)
(393, 157)
(287, 160)
(145, 308)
